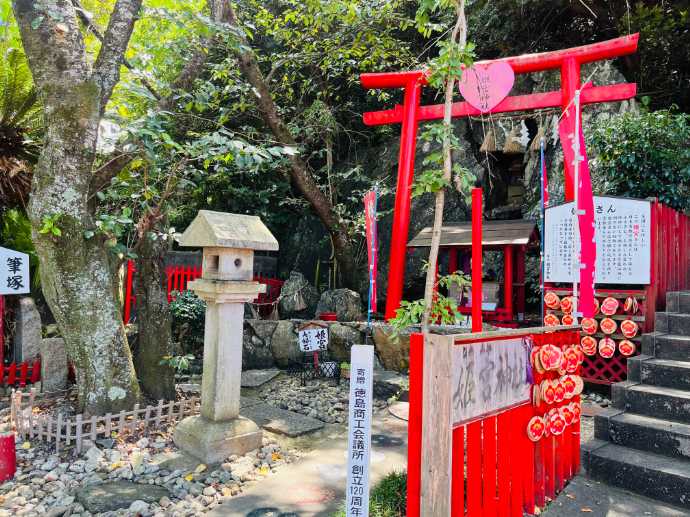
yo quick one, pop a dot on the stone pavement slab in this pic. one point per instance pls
(256, 378)
(315, 485)
(107, 497)
(590, 498)
(279, 420)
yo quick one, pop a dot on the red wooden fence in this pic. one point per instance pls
(28, 372)
(177, 277)
(497, 471)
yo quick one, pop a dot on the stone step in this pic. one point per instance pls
(654, 401)
(678, 301)
(643, 433)
(672, 323)
(666, 372)
(653, 475)
(667, 346)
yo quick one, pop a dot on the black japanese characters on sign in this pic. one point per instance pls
(359, 430)
(488, 377)
(313, 339)
(623, 239)
(14, 272)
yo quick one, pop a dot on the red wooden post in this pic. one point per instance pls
(505, 451)
(414, 425)
(12, 374)
(477, 259)
(2, 334)
(474, 469)
(489, 466)
(457, 499)
(23, 373)
(401, 217)
(128, 291)
(35, 372)
(508, 280)
(452, 259)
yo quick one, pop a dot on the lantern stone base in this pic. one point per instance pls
(212, 442)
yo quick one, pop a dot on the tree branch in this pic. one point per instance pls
(114, 45)
(103, 175)
(81, 13)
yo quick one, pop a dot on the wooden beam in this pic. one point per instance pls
(593, 95)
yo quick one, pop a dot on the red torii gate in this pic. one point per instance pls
(569, 61)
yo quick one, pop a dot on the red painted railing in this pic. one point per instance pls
(28, 372)
(177, 277)
(496, 469)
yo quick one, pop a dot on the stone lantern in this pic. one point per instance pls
(228, 242)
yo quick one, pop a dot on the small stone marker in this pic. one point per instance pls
(54, 368)
(256, 378)
(359, 430)
(228, 242)
(27, 339)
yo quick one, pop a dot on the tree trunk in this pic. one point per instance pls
(75, 274)
(459, 36)
(300, 174)
(153, 320)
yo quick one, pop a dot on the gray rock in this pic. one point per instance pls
(106, 443)
(298, 297)
(347, 304)
(341, 339)
(256, 378)
(284, 345)
(112, 496)
(139, 507)
(281, 421)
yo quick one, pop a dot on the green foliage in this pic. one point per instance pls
(450, 62)
(388, 498)
(180, 363)
(444, 310)
(644, 155)
(188, 315)
(50, 225)
(15, 233)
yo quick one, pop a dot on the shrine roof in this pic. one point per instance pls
(514, 232)
(220, 229)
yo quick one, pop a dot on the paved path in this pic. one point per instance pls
(314, 485)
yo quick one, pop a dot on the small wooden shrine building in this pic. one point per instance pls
(512, 237)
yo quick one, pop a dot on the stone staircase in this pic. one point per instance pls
(642, 443)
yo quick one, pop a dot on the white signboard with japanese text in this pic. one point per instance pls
(313, 339)
(489, 377)
(359, 430)
(14, 272)
(623, 239)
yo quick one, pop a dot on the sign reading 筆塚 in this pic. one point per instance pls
(313, 339)
(14, 272)
(489, 377)
(622, 232)
(359, 430)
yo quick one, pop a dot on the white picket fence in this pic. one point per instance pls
(65, 431)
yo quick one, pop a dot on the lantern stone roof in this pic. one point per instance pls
(494, 233)
(223, 230)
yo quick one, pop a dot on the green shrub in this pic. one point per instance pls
(388, 498)
(188, 316)
(644, 155)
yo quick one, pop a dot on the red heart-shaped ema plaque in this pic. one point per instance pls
(485, 86)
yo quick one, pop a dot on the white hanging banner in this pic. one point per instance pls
(14, 272)
(359, 430)
(623, 239)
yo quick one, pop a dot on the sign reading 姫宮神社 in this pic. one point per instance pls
(14, 272)
(489, 377)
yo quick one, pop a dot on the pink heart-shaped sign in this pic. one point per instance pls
(485, 86)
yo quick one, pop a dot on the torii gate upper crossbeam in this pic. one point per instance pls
(569, 62)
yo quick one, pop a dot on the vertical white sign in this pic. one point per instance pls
(14, 272)
(359, 430)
